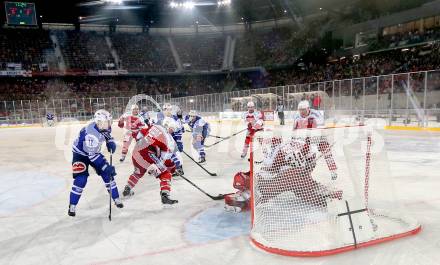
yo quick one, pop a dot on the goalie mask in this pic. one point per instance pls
(242, 181)
(103, 120)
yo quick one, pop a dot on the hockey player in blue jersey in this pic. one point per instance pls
(50, 117)
(200, 131)
(87, 151)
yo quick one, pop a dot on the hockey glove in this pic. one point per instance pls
(111, 146)
(109, 170)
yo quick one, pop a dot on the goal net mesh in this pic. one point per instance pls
(323, 191)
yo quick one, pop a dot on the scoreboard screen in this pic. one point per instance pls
(20, 14)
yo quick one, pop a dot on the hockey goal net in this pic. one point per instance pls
(323, 191)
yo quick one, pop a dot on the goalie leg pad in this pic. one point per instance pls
(236, 200)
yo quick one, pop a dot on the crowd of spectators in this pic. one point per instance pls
(278, 46)
(25, 47)
(89, 50)
(405, 38)
(85, 51)
(143, 53)
(372, 64)
(201, 52)
(64, 88)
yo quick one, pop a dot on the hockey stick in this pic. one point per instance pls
(225, 138)
(210, 173)
(215, 136)
(215, 198)
(110, 191)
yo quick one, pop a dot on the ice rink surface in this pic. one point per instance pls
(35, 181)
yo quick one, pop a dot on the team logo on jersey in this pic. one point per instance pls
(91, 141)
(78, 167)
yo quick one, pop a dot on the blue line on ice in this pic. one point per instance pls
(215, 224)
(21, 189)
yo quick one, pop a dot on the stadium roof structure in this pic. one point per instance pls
(159, 13)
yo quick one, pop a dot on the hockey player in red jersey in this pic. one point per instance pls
(132, 124)
(254, 123)
(239, 201)
(152, 155)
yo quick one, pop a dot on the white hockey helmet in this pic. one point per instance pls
(304, 108)
(134, 109)
(193, 113)
(167, 109)
(170, 124)
(251, 106)
(103, 120)
(167, 106)
(304, 104)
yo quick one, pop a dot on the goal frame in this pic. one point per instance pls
(319, 253)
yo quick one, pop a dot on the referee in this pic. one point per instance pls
(280, 111)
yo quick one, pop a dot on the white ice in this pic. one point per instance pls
(35, 182)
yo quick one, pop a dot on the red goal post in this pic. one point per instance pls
(323, 191)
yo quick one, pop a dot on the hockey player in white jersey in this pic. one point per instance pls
(308, 118)
(254, 123)
(200, 131)
(131, 123)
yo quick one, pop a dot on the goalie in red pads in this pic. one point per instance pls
(152, 155)
(239, 201)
